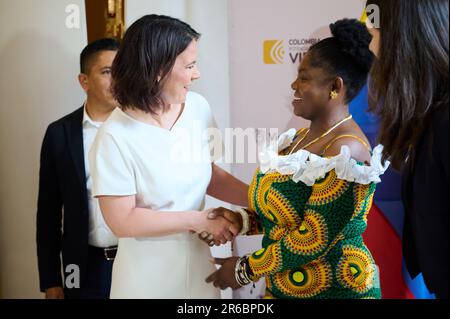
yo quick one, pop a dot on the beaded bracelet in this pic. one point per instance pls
(245, 221)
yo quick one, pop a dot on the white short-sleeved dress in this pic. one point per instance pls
(167, 170)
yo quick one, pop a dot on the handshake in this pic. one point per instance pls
(220, 225)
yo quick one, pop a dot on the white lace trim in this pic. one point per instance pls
(308, 167)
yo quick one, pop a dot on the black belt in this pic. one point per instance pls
(109, 252)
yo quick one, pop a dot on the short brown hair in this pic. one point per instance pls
(90, 52)
(148, 51)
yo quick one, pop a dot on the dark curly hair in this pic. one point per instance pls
(346, 54)
(148, 51)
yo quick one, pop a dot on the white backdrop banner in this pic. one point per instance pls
(267, 41)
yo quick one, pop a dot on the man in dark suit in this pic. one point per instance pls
(69, 220)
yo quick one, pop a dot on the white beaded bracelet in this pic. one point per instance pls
(245, 221)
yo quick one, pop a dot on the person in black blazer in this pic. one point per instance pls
(409, 85)
(69, 222)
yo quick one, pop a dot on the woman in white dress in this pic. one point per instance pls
(151, 171)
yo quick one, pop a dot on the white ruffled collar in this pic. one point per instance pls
(308, 167)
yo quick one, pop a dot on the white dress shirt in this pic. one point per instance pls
(99, 233)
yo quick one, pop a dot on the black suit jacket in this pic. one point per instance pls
(62, 214)
(426, 200)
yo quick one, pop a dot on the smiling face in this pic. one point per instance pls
(311, 90)
(184, 72)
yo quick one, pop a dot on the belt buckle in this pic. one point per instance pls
(108, 249)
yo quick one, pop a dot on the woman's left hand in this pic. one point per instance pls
(224, 276)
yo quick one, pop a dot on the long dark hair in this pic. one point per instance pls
(148, 51)
(409, 80)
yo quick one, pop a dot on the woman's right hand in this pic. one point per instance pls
(218, 230)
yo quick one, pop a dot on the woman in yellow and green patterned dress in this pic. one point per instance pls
(312, 193)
